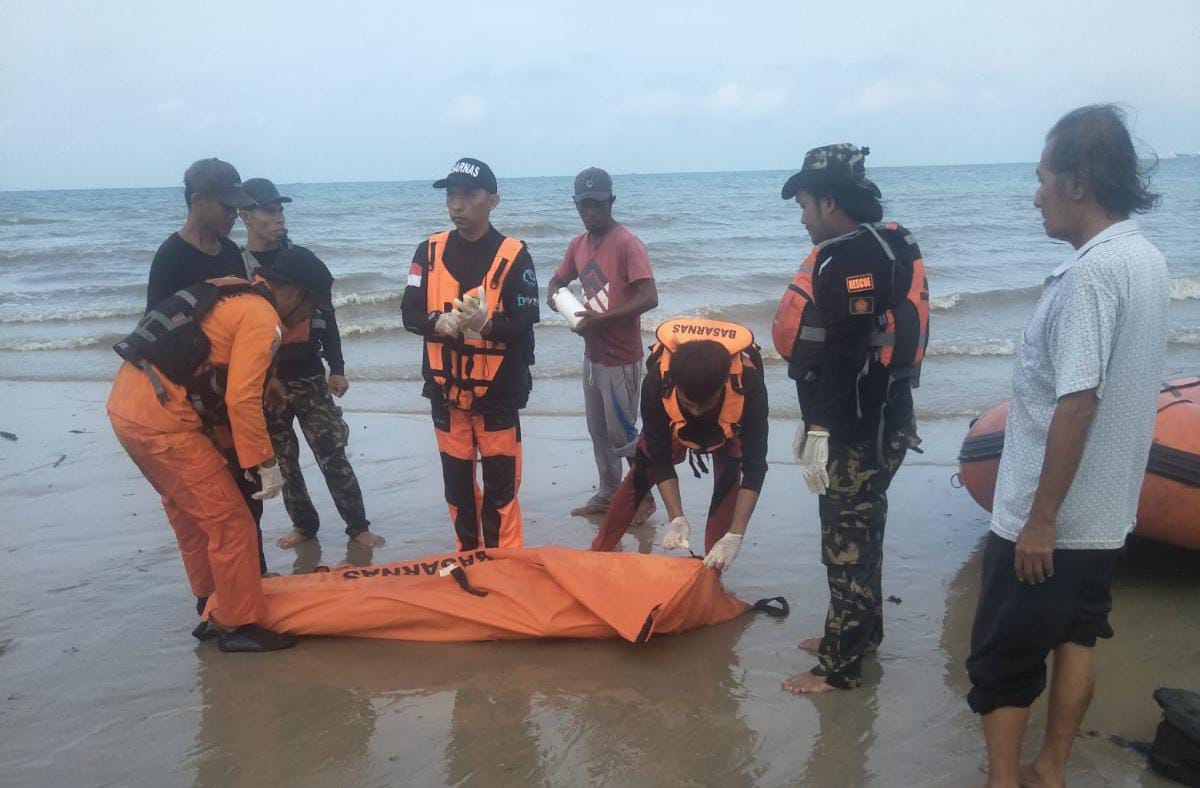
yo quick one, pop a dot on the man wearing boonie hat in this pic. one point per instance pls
(472, 294)
(856, 405)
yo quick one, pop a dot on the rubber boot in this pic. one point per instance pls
(253, 638)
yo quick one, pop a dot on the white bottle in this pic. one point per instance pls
(566, 304)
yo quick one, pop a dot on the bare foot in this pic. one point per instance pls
(291, 540)
(368, 539)
(1034, 776)
(806, 683)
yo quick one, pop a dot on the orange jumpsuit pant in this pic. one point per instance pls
(490, 517)
(215, 530)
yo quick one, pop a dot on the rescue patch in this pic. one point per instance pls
(862, 306)
(860, 283)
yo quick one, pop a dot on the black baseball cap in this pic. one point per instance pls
(218, 178)
(469, 174)
(593, 184)
(263, 192)
(298, 266)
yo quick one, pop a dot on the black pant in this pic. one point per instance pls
(247, 488)
(1018, 624)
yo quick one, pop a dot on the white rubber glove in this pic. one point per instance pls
(449, 324)
(723, 553)
(677, 534)
(798, 443)
(272, 482)
(472, 310)
(814, 462)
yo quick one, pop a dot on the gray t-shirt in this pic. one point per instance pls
(1101, 323)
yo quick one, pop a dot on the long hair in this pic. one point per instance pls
(859, 199)
(1093, 144)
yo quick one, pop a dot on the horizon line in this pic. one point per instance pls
(6, 190)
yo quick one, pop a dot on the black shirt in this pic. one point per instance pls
(177, 264)
(303, 360)
(854, 283)
(468, 262)
(752, 430)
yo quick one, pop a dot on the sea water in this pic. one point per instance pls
(73, 269)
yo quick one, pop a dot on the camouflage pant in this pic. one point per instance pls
(853, 516)
(309, 402)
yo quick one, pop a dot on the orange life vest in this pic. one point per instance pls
(736, 339)
(903, 328)
(464, 367)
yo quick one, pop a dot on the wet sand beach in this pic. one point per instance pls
(101, 683)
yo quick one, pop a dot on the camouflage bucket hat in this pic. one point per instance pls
(831, 164)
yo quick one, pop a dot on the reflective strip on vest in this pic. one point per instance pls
(811, 334)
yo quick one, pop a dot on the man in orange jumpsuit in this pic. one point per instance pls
(173, 392)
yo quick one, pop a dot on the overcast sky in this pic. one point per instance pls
(127, 93)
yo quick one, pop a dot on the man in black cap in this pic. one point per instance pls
(473, 294)
(852, 327)
(194, 366)
(618, 288)
(199, 251)
(302, 391)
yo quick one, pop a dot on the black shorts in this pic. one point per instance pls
(1018, 624)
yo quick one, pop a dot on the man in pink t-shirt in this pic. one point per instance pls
(618, 287)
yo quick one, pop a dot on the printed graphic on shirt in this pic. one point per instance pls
(859, 284)
(862, 306)
(414, 275)
(595, 287)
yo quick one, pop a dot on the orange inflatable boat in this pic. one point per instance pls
(507, 594)
(1169, 506)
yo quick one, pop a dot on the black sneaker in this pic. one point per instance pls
(253, 638)
(204, 632)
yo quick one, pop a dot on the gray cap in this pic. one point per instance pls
(593, 184)
(218, 178)
(263, 191)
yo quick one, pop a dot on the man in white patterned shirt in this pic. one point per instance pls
(1080, 425)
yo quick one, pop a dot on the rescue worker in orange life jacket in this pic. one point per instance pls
(197, 361)
(473, 295)
(703, 395)
(854, 390)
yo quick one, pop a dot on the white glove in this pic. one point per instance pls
(272, 482)
(814, 462)
(449, 324)
(473, 311)
(723, 552)
(798, 443)
(677, 534)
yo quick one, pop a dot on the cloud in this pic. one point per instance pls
(467, 108)
(171, 106)
(654, 102)
(734, 99)
(887, 94)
